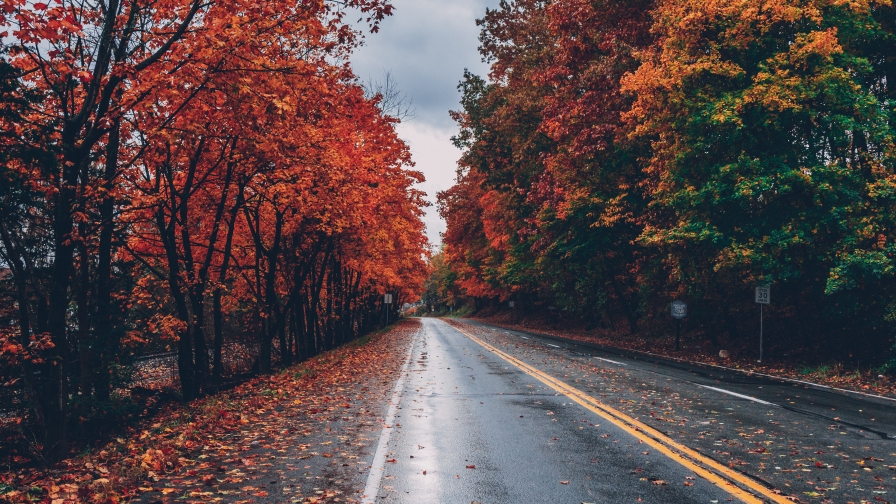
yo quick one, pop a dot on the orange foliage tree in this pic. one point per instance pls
(178, 169)
(623, 154)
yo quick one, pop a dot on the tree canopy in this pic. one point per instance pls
(184, 174)
(621, 155)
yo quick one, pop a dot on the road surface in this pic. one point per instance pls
(484, 414)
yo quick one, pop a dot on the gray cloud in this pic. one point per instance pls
(426, 45)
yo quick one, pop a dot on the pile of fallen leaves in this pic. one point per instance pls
(170, 442)
(833, 375)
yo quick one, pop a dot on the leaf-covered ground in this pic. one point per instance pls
(833, 374)
(305, 434)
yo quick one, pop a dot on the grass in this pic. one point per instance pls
(462, 312)
(823, 370)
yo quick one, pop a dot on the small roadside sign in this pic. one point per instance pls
(679, 309)
(763, 297)
(763, 294)
(510, 304)
(387, 301)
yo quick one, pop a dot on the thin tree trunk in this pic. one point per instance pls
(52, 388)
(626, 307)
(85, 350)
(104, 336)
(185, 366)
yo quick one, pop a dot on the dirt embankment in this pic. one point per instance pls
(301, 435)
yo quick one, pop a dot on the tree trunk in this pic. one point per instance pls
(217, 315)
(52, 387)
(626, 307)
(85, 350)
(185, 367)
(200, 347)
(218, 320)
(104, 336)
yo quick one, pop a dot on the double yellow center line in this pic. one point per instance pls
(737, 484)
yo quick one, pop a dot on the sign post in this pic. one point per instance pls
(387, 300)
(679, 311)
(763, 297)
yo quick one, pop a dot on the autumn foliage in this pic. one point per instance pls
(621, 155)
(183, 174)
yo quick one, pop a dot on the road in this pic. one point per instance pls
(489, 415)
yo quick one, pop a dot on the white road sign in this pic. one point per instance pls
(388, 299)
(679, 309)
(763, 294)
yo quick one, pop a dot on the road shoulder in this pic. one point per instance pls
(305, 434)
(881, 389)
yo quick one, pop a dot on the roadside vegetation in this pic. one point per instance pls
(231, 445)
(695, 348)
(192, 193)
(624, 154)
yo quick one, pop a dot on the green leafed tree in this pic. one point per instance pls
(772, 132)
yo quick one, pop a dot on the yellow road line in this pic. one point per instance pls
(707, 468)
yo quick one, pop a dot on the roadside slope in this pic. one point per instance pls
(302, 435)
(835, 376)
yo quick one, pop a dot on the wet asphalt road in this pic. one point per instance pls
(464, 406)
(865, 414)
(486, 432)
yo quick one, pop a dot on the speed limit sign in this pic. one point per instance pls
(763, 293)
(763, 296)
(679, 310)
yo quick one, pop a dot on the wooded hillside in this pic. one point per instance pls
(186, 175)
(624, 154)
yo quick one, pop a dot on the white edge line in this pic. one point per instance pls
(555, 346)
(609, 360)
(746, 372)
(781, 378)
(735, 394)
(377, 466)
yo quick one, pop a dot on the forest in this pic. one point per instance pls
(620, 155)
(194, 177)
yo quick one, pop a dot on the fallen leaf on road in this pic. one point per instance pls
(564, 482)
(471, 466)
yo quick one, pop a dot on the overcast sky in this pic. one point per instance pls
(425, 45)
